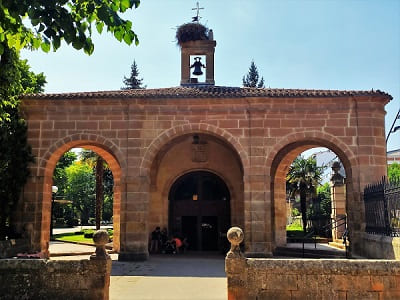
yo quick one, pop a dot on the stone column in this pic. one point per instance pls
(134, 208)
(338, 198)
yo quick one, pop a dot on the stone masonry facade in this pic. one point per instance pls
(253, 135)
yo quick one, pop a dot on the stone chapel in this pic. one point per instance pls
(199, 158)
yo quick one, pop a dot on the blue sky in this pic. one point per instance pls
(324, 44)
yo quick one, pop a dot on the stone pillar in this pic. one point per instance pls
(338, 199)
(100, 239)
(235, 265)
(134, 219)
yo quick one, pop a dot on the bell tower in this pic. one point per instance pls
(197, 57)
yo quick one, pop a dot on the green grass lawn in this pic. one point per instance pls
(78, 237)
(72, 237)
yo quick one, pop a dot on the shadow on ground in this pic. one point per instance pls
(181, 265)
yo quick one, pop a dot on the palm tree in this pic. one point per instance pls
(97, 162)
(302, 179)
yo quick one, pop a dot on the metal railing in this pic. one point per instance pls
(382, 208)
(335, 223)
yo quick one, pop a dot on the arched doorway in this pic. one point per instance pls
(199, 209)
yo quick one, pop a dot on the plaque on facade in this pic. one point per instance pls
(199, 152)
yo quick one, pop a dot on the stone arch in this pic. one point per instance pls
(103, 147)
(172, 180)
(174, 132)
(279, 160)
(75, 140)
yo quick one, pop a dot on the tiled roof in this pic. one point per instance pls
(208, 92)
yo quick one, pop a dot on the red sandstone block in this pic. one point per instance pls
(104, 125)
(366, 140)
(272, 123)
(228, 123)
(64, 125)
(119, 124)
(48, 125)
(257, 132)
(122, 134)
(33, 124)
(279, 132)
(87, 125)
(335, 131)
(313, 123)
(290, 123)
(336, 122)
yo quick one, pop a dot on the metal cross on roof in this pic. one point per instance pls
(197, 17)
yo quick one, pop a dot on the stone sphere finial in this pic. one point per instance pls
(235, 236)
(100, 239)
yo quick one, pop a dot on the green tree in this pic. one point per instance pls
(252, 77)
(133, 82)
(81, 189)
(108, 194)
(15, 153)
(43, 24)
(60, 176)
(61, 181)
(394, 172)
(324, 199)
(102, 174)
(303, 178)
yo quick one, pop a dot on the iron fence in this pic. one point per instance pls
(382, 208)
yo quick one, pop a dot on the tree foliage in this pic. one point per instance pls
(133, 81)
(252, 79)
(81, 189)
(15, 154)
(44, 24)
(303, 178)
(394, 172)
(60, 176)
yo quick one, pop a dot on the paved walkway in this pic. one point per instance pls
(172, 277)
(57, 248)
(169, 277)
(162, 277)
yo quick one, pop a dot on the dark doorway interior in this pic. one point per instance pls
(199, 210)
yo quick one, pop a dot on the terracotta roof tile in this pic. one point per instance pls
(208, 92)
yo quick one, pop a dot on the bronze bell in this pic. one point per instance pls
(197, 65)
(197, 70)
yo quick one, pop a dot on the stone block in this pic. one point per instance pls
(363, 295)
(274, 294)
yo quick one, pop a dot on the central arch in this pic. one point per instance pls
(199, 210)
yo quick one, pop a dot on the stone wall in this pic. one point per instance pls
(381, 247)
(262, 278)
(312, 279)
(48, 279)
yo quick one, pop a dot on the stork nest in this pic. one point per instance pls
(191, 32)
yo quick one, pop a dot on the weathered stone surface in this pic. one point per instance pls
(256, 278)
(47, 279)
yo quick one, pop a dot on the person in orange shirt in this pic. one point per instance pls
(178, 244)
